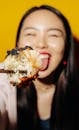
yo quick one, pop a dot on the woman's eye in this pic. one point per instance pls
(30, 34)
(53, 35)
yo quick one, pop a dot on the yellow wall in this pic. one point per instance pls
(12, 10)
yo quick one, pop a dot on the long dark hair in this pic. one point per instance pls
(64, 107)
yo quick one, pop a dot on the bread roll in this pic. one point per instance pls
(22, 65)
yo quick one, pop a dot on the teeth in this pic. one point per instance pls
(44, 56)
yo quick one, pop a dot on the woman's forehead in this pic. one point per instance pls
(44, 15)
(43, 18)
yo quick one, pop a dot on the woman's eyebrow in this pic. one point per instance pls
(28, 28)
(56, 29)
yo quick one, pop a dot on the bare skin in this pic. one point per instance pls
(44, 100)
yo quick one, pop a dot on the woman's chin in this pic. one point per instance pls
(43, 73)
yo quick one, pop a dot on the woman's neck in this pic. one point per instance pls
(45, 94)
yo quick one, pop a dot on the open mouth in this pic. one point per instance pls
(45, 57)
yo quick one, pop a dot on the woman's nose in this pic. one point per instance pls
(42, 42)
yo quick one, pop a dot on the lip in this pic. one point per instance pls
(45, 53)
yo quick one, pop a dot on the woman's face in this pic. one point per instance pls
(45, 32)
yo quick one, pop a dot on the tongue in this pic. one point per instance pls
(45, 63)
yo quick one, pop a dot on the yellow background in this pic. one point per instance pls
(11, 12)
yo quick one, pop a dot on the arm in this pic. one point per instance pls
(3, 99)
(8, 113)
(3, 114)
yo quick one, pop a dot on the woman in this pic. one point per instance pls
(50, 102)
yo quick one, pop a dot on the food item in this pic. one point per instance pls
(22, 65)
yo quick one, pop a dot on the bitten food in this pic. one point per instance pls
(22, 64)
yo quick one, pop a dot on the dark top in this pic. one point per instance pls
(44, 124)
